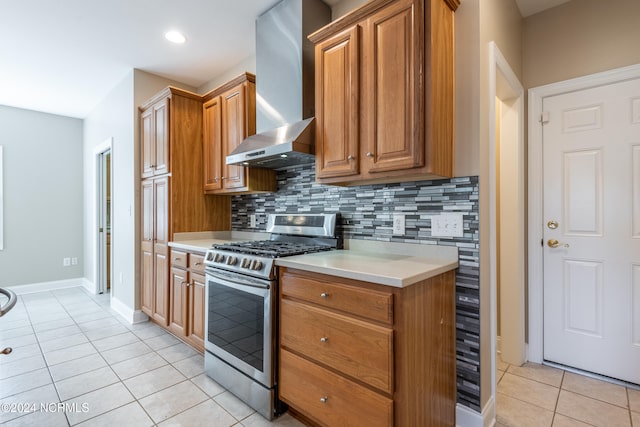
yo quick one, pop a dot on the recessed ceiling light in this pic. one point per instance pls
(175, 37)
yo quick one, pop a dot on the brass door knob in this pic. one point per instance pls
(553, 243)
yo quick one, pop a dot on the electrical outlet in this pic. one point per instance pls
(252, 220)
(74, 261)
(398, 224)
(66, 262)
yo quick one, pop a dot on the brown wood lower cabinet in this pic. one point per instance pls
(354, 353)
(187, 297)
(330, 398)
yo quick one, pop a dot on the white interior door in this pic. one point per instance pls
(591, 155)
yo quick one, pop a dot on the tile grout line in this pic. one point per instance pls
(168, 363)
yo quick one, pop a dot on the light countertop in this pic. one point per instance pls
(391, 264)
(201, 241)
(384, 263)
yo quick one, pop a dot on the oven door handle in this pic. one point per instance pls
(238, 281)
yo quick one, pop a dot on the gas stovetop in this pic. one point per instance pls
(272, 248)
(290, 235)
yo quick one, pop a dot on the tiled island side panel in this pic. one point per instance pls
(367, 213)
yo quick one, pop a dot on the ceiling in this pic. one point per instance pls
(63, 57)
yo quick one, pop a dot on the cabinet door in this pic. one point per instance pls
(196, 309)
(337, 105)
(148, 143)
(234, 130)
(212, 144)
(161, 133)
(146, 289)
(178, 296)
(161, 248)
(392, 78)
(147, 270)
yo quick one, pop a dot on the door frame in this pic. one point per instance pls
(536, 219)
(98, 274)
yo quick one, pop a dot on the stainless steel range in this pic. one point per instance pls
(242, 305)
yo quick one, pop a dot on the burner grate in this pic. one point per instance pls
(272, 248)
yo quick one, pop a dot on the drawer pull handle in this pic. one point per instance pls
(324, 339)
(324, 295)
(324, 399)
(176, 259)
(198, 263)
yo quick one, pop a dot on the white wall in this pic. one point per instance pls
(579, 38)
(113, 118)
(42, 196)
(247, 65)
(117, 117)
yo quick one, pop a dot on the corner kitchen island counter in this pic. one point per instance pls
(384, 263)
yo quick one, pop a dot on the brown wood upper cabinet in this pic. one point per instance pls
(384, 93)
(229, 116)
(155, 139)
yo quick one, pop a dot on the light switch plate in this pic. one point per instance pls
(252, 220)
(447, 225)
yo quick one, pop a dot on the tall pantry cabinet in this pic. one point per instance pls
(172, 199)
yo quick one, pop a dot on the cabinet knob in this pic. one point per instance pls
(324, 339)
(369, 154)
(324, 295)
(350, 157)
(152, 166)
(215, 179)
(324, 399)
(224, 177)
(184, 283)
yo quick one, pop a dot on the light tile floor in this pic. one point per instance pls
(70, 348)
(541, 396)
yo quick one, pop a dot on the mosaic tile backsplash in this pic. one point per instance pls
(366, 212)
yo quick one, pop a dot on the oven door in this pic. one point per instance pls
(239, 322)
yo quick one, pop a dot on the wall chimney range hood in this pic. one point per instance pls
(284, 87)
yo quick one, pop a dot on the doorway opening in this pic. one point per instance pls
(507, 222)
(104, 195)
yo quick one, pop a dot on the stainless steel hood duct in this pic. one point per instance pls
(284, 86)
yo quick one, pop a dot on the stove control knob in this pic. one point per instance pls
(232, 260)
(246, 263)
(256, 265)
(218, 258)
(209, 256)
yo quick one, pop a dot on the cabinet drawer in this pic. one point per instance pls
(344, 403)
(178, 259)
(356, 348)
(374, 305)
(196, 263)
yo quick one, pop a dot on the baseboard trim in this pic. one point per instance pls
(50, 286)
(89, 286)
(467, 417)
(131, 316)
